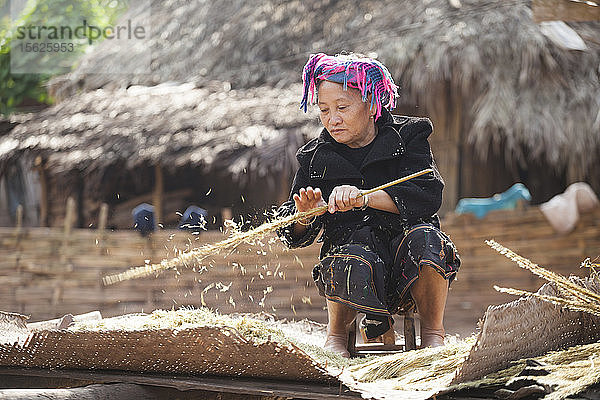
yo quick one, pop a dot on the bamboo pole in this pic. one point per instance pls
(18, 235)
(69, 216)
(68, 227)
(102, 220)
(226, 214)
(19, 224)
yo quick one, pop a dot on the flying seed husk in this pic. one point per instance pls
(192, 257)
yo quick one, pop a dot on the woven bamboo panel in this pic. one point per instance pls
(527, 327)
(196, 351)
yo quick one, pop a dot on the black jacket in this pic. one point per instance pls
(399, 149)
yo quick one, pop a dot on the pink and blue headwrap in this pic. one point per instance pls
(364, 74)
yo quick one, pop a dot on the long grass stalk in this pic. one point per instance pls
(570, 304)
(563, 283)
(197, 255)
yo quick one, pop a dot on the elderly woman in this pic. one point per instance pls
(384, 251)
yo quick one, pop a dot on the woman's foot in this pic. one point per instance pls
(341, 317)
(337, 344)
(430, 292)
(432, 337)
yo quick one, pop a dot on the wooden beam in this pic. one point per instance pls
(39, 166)
(69, 216)
(19, 224)
(18, 235)
(65, 251)
(116, 390)
(102, 221)
(241, 386)
(565, 10)
(410, 339)
(157, 197)
(102, 218)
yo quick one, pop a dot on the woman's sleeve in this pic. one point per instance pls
(419, 197)
(288, 208)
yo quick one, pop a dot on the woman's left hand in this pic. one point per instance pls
(345, 198)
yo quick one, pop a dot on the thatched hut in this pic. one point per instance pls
(172, 145)
(510, 102)
(18, 183)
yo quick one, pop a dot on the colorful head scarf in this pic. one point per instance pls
(365, 74)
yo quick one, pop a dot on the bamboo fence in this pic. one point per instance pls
(49, 272)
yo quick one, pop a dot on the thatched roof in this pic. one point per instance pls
(516, 86)
(8, 123)
(245, 133)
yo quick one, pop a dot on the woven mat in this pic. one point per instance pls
(525, 328)
(203, 350)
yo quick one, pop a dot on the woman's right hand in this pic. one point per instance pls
(309, 198)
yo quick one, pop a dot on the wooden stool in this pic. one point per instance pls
(410, 339)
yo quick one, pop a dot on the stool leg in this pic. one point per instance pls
(352, 338)
(410, 338)
(389, 337)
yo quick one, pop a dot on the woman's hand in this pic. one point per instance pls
(345, 198)
(309, 198)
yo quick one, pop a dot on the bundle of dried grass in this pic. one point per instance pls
(185, 318)
(573, 296)
(570, 371)
(236, 238)
(429, 371)
(561, 373)
(421, 370)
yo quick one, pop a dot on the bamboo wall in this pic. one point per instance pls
(48, 272)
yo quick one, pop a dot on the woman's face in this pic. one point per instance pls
(345, 116)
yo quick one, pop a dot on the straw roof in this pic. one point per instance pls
(250, 133)
(8, 123)
(517, 87)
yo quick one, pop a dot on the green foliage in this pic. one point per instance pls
(16, 87)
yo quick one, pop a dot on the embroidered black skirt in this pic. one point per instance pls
(373, 273)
